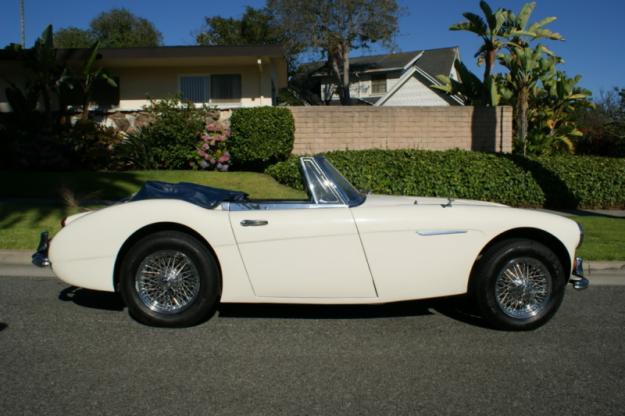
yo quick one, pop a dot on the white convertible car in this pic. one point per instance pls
(175, 251)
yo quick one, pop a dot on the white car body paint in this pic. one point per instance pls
(386, 249)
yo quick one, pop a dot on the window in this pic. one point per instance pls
(211, 88)
(226, 87)
(378, 84)
(194, 88)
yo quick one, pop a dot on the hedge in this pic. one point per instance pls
(260, 137)
(565, 182)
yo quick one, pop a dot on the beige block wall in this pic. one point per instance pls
(326, 128)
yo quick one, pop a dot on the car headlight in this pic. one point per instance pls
(581, 234)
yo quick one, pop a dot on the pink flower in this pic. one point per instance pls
(223, 158)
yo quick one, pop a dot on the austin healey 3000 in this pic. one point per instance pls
(174, 251)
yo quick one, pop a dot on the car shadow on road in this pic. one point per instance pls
(456, 308)
(92, 298)
(3, 326)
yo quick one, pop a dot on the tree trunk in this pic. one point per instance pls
(346, 96)
(488, 68)
(340, 67)
(521, 107)
(491, 56)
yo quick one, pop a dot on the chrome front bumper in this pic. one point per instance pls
(577, 279)
(40, 257)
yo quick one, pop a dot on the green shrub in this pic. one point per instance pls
(170, 140)
(554, 182)
(92, 145)
(261, 136)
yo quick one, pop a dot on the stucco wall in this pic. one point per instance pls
(326, 128)
(136, 84)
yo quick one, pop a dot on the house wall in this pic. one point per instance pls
(322, 129)
(415, 93)
(138, 83)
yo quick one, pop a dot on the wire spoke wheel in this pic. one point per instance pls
(167, 281)
(523, 288)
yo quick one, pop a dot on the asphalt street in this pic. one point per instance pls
(69, 351)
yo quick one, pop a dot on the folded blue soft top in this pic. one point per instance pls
(204, 196)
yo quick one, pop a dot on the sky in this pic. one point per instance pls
(594, 30)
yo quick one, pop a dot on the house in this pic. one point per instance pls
(222, 76)
(399, 79)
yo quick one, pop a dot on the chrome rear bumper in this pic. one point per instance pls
(40, 257)
(577, 279)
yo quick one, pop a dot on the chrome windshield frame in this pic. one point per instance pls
(331, 181)
(313, 173)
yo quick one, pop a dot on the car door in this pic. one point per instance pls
(301, 250)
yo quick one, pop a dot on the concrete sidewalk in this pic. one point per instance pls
(18, 263)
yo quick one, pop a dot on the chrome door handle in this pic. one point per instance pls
(253, 223)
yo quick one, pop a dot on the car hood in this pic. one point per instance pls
(391, 200)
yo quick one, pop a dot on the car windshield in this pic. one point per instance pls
(352, 195)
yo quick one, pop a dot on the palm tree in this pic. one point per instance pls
(526, 67)
(492, 30)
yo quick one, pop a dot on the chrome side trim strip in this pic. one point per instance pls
(428, 233)
(275, 206)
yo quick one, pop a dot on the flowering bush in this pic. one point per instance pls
(211, 153)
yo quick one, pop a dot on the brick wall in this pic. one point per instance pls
(322, 128)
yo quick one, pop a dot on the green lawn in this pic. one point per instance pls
(116, 185)
(604, 238)
(22, 219)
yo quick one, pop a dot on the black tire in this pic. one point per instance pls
(178, 284)
(502, 298)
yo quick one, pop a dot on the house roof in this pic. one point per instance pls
(169, 55)
(178, 52)
(433, 61)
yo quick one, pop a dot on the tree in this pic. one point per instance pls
(603, 125)
(492, 30)
(542, 97)
(502, 29)
(86, 78)
(335, 28)
(119, 28)
(526, 66)
(469, 87)
(552, 113)
(255, 27)
(72, 37)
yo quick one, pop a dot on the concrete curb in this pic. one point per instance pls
(16, 257)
